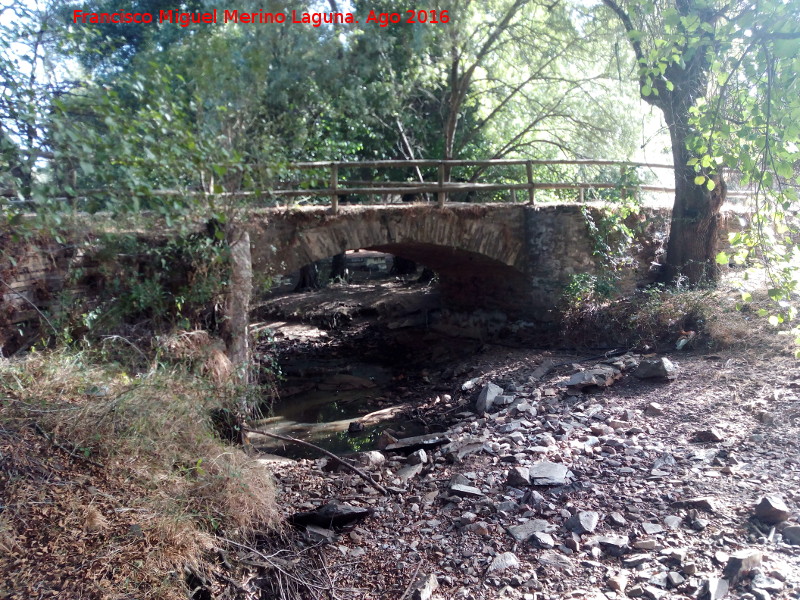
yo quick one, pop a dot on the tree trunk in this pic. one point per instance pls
(237, 306)
(309, 278)
(339, 267)
(694, 227)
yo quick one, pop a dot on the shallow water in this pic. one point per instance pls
(326, 395)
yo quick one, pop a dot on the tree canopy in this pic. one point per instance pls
(103, 115)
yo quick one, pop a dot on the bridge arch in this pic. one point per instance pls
(478, 251)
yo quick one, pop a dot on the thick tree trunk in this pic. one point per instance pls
(339, 267)
(309, 278)
(694, 228)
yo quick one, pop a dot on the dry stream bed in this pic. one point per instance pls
(631, 487)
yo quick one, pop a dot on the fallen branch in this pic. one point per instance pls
(365, 476)
(411, 581)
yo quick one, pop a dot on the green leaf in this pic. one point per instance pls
(646, 90)
(700, 179)
(774, 320)
(776, 294)
(710, 184)
(747, 297)
(722, 258)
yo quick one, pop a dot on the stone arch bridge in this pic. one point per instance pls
(510, 257)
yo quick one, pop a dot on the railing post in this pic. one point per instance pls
(334, 186)
(531, 193)
(442, 193)
(581, 196)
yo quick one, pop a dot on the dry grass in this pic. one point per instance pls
(657, 318)
(199, 351)
(114, 485)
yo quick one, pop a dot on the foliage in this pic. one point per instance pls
(177, 282)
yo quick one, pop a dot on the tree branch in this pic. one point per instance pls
(365, 476)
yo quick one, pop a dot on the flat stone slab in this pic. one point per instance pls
(549, 473)
(601, 376)
(503, 561)
(465, 491)
(525, 531)
(418, 442)
(333, 514)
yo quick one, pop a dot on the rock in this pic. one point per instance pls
(673, 522)
(652, 528)
(583, 522)
(486, 398)
(418, 457)
(791, 535)
(333, 514)
(523, 532)
(618, 583)
(465, 491)
(760, 594)
(556, 560)
(503, 400)
(617, 519)
(635, 560)
(601, 376)
(654, 409)
(714, 589)
(700, 503)
(371, 458)
(355, 427)
(470, 384)
(674, 579)
(614, 545)
(665, 462)
(408, 472)
(503, 561)
(635, 592)
(654, 593)
(769, 584)
(478, 528)
(740, 564)
(772, 510)
(645, 544)
(424, 586)
(549, 473)
(385, 439)
(518, 477)
(424, 442)
(542, 540)
(656, 368)
(712, 435)
(320, 534)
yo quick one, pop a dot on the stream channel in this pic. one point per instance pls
(366, 369)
